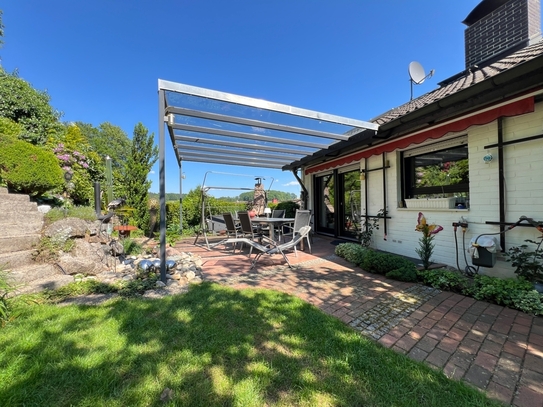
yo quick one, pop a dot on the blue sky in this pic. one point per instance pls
(100, 60)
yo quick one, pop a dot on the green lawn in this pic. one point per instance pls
(214, 346)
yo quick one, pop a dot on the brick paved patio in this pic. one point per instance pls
(493, 348)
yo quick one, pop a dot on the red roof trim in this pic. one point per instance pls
(513, 109)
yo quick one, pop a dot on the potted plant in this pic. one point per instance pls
(528, 263)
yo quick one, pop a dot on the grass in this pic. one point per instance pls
(82, 212)
(213, 346)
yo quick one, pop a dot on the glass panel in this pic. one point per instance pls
(447, 167)
(440, 174)
(351, 204)
(326, 196)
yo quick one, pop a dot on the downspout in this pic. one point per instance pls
(385, 166)
(501, 183)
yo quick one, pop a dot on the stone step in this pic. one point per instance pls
(52, 282)
(17, 243)
(11, 229)
(32, 272)
(9, 197)
(17, 259)
(18, 206)
(11, 217)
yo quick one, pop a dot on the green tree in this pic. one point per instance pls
(134, 184)
(23, 104)
(107, 140)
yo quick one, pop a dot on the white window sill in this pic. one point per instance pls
(433, 209)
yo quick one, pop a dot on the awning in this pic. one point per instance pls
(222, 128)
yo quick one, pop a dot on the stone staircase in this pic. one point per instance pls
(20, 230)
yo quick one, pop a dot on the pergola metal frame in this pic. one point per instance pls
(227, 137)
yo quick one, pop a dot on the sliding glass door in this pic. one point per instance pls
(325, 212)
(337, 204)
(349, 204)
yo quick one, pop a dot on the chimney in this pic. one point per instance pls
(497, 28)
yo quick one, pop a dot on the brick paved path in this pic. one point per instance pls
(493, 348)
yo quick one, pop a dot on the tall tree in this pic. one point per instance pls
(107, 140)
(134, 182)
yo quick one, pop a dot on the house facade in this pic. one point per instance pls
(469, 153)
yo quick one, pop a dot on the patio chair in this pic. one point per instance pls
(301, 218)
(272, 248)
(232, 230)
(247, 229)
(278, 213)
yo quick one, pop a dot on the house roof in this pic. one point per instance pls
(461, 81)
(466, 91)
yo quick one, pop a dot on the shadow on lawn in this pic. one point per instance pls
(212, 346)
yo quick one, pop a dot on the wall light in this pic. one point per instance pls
(362, 175)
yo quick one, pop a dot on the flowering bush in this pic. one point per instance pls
(426, 245)
(78, 170)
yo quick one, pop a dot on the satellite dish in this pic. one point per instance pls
(416, 72)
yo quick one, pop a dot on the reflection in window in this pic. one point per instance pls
(438, 174)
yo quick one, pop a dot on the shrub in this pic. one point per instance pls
(29, 169)
(404, 273)
(131, 247)
(497, 290)
(530, 302)
(351, 252)
(528, 262)
(389, 265)
(289, 207)
(444, 280)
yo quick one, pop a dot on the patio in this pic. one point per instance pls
(495, 349)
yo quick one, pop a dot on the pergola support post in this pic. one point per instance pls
(162, 184)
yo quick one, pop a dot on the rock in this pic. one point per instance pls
(171, 251)
(189, 275)
(160, 284)
(44, 208)
(68, 227)
(86, 258)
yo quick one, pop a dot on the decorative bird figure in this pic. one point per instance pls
(116, 203)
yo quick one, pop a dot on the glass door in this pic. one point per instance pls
(350, 204)
(325, 211)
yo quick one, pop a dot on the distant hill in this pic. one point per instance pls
(246, 196)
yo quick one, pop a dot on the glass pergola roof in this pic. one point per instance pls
(222, 128)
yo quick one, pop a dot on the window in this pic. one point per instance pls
(438, 170)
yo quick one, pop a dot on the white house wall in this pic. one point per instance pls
(523, 171)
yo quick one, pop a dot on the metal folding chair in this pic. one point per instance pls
(274, 249)
(302, 218)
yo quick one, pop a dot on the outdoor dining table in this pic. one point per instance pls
(272, 222)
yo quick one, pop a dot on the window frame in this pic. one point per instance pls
(408, 157)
